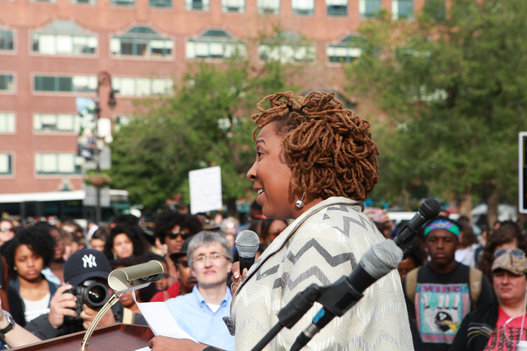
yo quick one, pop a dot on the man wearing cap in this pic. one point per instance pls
(499, 325)
(442, 292)
(83, 266)
(186, 280)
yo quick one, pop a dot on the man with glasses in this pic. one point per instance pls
(201, 312)
(442, 292)
(499, 325)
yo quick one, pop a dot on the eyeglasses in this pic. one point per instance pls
(6, 229)
(174, 235)
(514, 252)
(213, 257)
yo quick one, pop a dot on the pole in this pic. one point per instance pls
(103, 78)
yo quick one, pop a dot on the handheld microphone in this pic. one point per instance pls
(378, 261)
(247, 243)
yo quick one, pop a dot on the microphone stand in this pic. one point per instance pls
(111, 301)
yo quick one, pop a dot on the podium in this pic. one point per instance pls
(116, 337)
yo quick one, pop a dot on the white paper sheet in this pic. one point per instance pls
(160, 320)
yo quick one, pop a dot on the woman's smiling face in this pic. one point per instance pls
(271, 175)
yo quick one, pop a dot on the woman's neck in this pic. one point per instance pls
(33, 290)
(213, 294)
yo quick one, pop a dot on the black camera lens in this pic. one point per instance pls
(95, 295)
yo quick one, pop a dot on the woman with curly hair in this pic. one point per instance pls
(125, 241)
(30, 250)
(507, 236)
(315, 163)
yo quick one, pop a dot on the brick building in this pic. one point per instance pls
(52, 52)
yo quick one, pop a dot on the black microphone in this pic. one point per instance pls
(247, 243)
(428, 210)
(378, 261)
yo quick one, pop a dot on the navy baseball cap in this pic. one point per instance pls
(86, 264)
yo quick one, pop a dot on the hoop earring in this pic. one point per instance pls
(300, 203)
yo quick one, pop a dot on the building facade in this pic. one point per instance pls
(52, 53)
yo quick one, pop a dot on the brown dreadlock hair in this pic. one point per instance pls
(328, 148)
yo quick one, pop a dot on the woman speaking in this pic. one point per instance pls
(315, 162)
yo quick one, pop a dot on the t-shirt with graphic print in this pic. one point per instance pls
(441, 302)
(507, 333)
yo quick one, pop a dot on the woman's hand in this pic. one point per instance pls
(164, 343)
(236, 276)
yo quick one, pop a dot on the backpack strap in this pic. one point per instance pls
(475, 279)
(411, 284)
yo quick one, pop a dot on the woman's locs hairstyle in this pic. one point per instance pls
(329, 148)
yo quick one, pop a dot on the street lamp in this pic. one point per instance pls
(103, 79)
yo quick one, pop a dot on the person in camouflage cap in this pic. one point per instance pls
(500, 325)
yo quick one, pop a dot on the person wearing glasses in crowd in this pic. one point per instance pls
(171, 229)
(201, 312)
(500, 324)
(7, 231)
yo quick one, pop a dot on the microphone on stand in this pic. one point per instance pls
(378, 261)
(247, 243)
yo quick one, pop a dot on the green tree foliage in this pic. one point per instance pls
(204, 123)
(452, 85)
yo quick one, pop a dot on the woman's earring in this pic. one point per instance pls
(300, 203)
(15, 269)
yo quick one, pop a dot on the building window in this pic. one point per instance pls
(368, 8)
(402, 9)
(129, 3)
(346, 50)
(57, 163)
(5, 164)
(7, 82)
(6, 39)
(88, 2)
(142, 41)
(134, 86)
(269, 7)
(7, 122)
(337, 7)
(63, 38)
(160, 3)
(197, 5)
(70, 84)
(214, 44)
(233, 6)
(303, 7)
(287, 47)
(43, 122)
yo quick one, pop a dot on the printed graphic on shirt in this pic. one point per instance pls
(505, 339)
(440, 308)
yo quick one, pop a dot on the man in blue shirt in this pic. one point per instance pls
(200, 313)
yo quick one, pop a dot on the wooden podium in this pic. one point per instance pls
(117, 337)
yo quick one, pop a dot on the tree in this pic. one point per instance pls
(204, 123)
(452, 85)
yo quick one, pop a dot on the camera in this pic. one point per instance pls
(91, 293)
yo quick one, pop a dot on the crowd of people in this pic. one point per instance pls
(315, 166)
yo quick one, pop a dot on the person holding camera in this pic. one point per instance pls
(76, 303)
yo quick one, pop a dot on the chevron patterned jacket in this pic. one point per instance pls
(322, 245)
